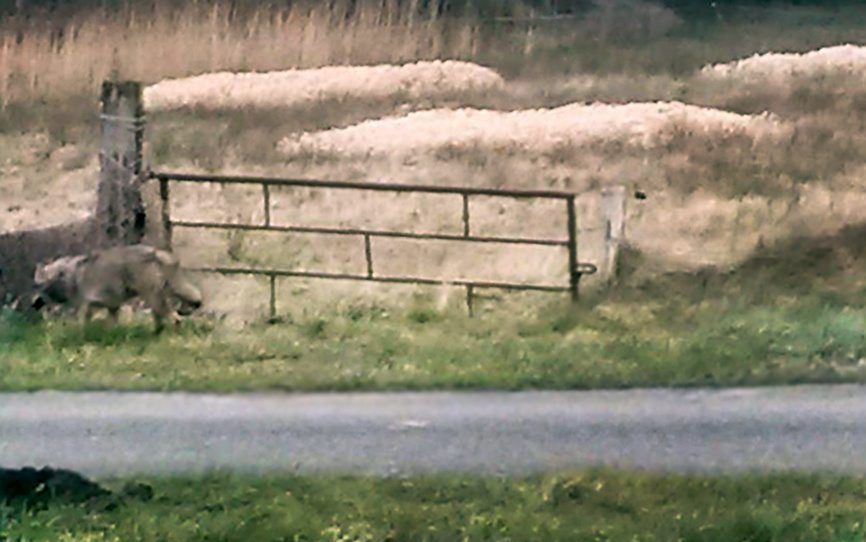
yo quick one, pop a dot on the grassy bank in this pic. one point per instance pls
(794, 313)
(715, 342)
(597, 505)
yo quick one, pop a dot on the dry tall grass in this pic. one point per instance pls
(51, 59)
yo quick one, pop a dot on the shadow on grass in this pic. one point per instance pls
(831, 268)
(70, 335)
(15, 327)
(17, 330)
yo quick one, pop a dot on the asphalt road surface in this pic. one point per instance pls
(804, 428)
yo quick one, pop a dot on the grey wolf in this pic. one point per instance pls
(111, 277)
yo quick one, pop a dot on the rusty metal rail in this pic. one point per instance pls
(576, 269)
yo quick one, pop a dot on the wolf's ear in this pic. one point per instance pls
(39, 274)
(44, 262)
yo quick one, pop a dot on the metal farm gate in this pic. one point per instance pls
(569, 241)
(120, 217)
(123, 126)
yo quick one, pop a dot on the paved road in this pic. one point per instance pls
(810, 427)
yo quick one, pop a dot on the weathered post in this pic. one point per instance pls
(613, 212)
(119, 218)
(120, 210)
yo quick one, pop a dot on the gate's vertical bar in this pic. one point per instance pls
(573, 274)
(470, 299)
(272, 306)
(266, 192)
(166, 210)
(465, 215)
(368, 253)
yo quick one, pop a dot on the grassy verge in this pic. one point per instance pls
(715, 341)
(596, 505)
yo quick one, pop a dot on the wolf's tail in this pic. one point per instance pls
(180, 286)
(189, 295)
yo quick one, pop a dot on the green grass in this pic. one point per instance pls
(766, 322)
(715, 341)
(591, 506)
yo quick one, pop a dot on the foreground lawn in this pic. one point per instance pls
(597, 505)
(618, 343)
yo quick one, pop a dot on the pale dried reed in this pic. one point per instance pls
(53, 59)
(534, 132)
(782, 68)
(293, 88)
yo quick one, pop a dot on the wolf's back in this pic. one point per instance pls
(147, 267)
(166, 259)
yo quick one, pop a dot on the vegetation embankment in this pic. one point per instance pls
(593, 505)
(761, 323)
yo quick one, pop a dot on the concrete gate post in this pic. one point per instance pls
(613, 213)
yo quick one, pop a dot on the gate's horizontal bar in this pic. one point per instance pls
(386, 187)
(396, 280)
(372, 233)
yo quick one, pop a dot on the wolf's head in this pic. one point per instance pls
(55, 280)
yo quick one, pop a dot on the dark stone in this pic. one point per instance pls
(21, 251)
(138, 491)
(35, 488)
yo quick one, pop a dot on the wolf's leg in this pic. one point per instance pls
(158, 325)
(85, 313)
(112, 315)
(161, 309)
